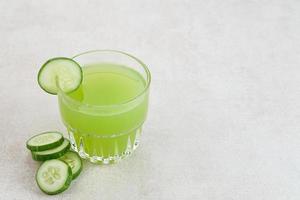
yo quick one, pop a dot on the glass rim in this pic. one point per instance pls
(148, 80)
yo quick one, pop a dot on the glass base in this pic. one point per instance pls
(104, 150)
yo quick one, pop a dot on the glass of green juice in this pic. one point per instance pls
(105, 114)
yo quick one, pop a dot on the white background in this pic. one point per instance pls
(224, 118)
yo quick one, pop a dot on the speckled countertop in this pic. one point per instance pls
(224, 111)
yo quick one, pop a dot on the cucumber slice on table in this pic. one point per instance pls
(52, 153)
(54, 176)
(74, 161)
(44, 141)
(60, 73)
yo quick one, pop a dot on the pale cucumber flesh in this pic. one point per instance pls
(45, 141)
(74, 161)
(54, 176)
(52, 153)
(60, 73)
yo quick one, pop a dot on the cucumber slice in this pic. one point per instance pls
(60, 73)
(44, 141)
(74, 161)
(51, 153)
(54, 176)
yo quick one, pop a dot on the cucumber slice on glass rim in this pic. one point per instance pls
(44, 141)
(60, 73)
(54, 176)
(52, 153)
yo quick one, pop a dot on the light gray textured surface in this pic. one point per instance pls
(224, 120)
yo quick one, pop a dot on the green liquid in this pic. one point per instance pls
(104, 129)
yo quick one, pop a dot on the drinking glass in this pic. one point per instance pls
(106, 133)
